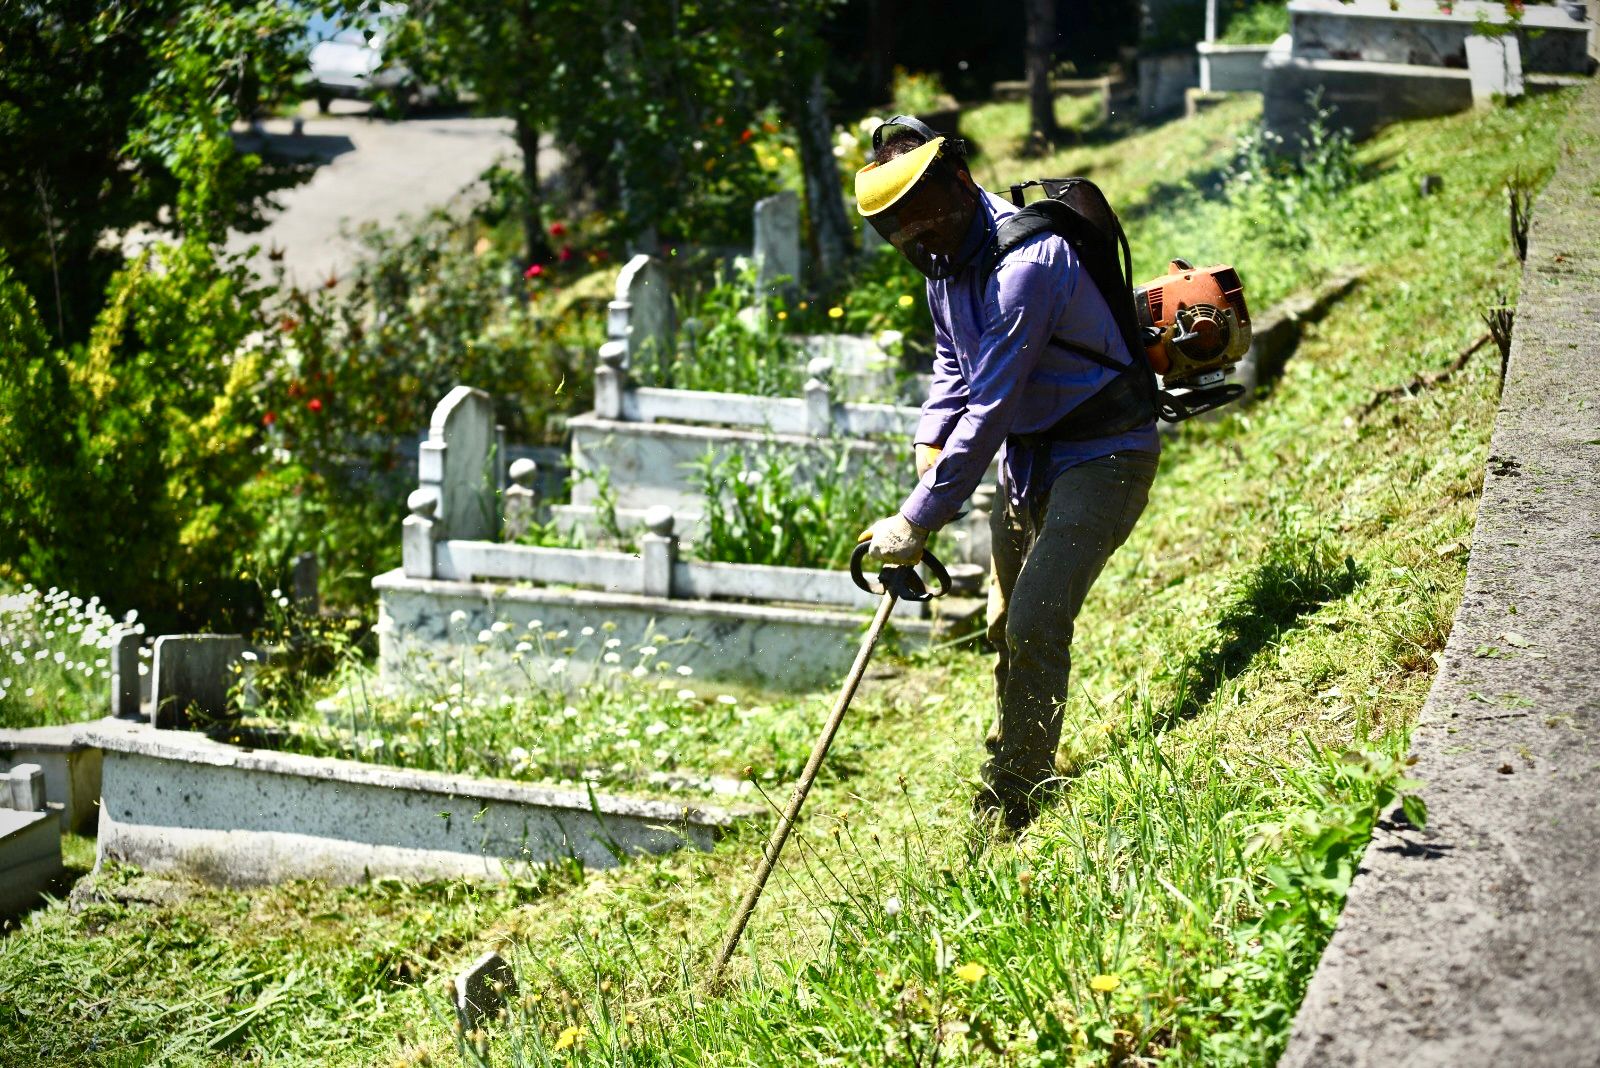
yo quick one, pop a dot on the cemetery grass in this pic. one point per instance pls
(1275, 613)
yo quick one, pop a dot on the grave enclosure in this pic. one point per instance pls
(1374, 62)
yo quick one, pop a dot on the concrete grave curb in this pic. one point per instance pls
(176, 801)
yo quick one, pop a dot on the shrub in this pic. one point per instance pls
(53, 657)
(124, 456)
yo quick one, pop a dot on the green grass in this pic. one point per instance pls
(1280, 604)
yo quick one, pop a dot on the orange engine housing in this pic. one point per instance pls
(1202, 319)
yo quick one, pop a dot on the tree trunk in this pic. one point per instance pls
(1041, 46)
(830, 227)
(537, 248)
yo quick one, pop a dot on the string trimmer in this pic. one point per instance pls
(895, 583)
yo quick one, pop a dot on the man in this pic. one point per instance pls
(1018, 354)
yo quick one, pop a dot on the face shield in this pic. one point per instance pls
(919, 205)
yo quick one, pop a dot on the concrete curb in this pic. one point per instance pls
(1477, 941)
(176, 801)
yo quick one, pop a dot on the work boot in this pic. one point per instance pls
(1008, 815)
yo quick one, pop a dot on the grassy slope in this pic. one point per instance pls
(1152, 871)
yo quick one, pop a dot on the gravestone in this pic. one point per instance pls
(1495, 65)
(193, 673)
(125, 673)
(777, 241)
(456, 463)
(644, 315)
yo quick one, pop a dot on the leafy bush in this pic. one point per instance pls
(723, 347)
(778, 506)
(1257, 22)
(125, 455)
(1282, 196)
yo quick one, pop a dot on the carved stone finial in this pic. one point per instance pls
(820, 367)
(659, 520)
(423, 501)
(614, 354)
(524, 473)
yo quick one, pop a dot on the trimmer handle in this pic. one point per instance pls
(901, 580)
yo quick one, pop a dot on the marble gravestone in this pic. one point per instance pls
(777, 241)
(643, 316)
(455, 460)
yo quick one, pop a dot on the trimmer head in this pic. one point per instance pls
(1196, 324)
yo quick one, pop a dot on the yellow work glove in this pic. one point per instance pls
(895, 541)
(927, 456)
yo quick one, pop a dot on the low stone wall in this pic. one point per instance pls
(1226, 68)
(176, 801)
(71, 770)
(776, 645)
(1477, 941)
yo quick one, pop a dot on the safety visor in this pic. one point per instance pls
(912, 198)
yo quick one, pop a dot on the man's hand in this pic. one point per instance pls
(895, 541)
(927, 456)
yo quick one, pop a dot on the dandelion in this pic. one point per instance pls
(568, 1038)
(836, 312)
(1104, 984)
(971, 972)
(907, 300)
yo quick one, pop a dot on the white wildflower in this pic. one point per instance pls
(612, 643)
(649, 650)
(485, 637)
(659, 727)
(246, 655)
(524, 647)
(458, 616)
(686, 695)
(612, 658)
(500, 626)
(891, 906)
(685, 670)
(727, 699)
(587, 632)
(558, 666)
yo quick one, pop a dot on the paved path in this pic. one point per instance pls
(377, 171)
(1477, 942)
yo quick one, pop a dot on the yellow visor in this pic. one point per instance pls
(880, 186)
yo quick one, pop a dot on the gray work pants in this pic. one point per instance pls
(1043, 566)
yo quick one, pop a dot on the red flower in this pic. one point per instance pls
(557, 229)
(269, 418)
(745, 137)
(565, 254)
(287, 324)
(315, 404)
(534, 270)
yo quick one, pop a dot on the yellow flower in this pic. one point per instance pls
(836, 312)
(907, 300)
(782, 316)
(1104, 984)
(971, 972)
(804, 305)
(568, 1037)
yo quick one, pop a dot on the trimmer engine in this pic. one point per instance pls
(1197, 328)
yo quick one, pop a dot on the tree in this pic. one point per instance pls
(99, 101)
(1041, 16)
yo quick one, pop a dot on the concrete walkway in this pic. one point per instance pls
(373, 171)
(1477, 941)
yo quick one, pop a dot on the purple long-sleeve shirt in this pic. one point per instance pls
(998, 371)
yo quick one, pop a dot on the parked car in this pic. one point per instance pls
(347, 62)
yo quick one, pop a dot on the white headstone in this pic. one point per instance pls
(1495, 66)
(463, 425)
(777, 240)
(650, 322)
